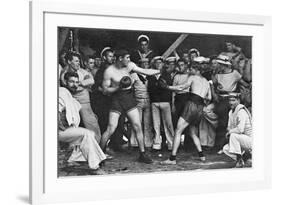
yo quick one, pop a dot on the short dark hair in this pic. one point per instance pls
(196, 66)
(143, 39)
(121, 53)
(69, 75)
(212, 57)
(69, 55)
(180, 60)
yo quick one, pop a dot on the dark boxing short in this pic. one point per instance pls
(193, 109)
(123, 101)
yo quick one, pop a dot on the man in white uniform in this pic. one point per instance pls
(85, 147)
(239, 130)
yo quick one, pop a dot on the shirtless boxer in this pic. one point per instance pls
(118, 83)
(193, 110)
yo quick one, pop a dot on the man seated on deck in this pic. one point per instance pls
(192, 113)
(239, 131)
(118, 83)
(82, 140)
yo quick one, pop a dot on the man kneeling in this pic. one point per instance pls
(239, 131)
(82, 140)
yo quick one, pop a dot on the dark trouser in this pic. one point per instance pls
(180, 101)
(101, 104)
(221, 109)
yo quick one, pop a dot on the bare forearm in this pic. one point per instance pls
(109, 90)
(146, 71)
(243, 83)
(173, 88)
(179, 87)
(150, 72)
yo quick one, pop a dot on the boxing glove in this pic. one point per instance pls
(125, 82)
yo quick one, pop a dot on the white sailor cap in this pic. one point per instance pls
(157, 58)
(194, 50)
(201, 59)
(171, 59)
(143, 37)
(234, 95)
(223, 59)
(104, 51)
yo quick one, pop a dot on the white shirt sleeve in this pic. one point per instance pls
(61, 105)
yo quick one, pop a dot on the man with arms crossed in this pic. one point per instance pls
(193, 110)
(118, 83)
(81, 94)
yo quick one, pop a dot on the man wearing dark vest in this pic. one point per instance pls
(143, 51)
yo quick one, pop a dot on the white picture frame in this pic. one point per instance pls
(45, 187)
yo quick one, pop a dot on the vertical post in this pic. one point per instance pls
(63, 32)
(76, 40)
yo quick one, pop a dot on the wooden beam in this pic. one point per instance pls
(62, 37)
(173, 47)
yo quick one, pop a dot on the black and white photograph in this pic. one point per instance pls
(135, 102)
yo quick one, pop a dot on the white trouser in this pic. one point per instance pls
(238, 143)
(88, 150)
(162, 110)
(90, 120)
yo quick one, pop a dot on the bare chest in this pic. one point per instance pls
(118, 74)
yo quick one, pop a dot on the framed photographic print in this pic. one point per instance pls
(132, 104)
